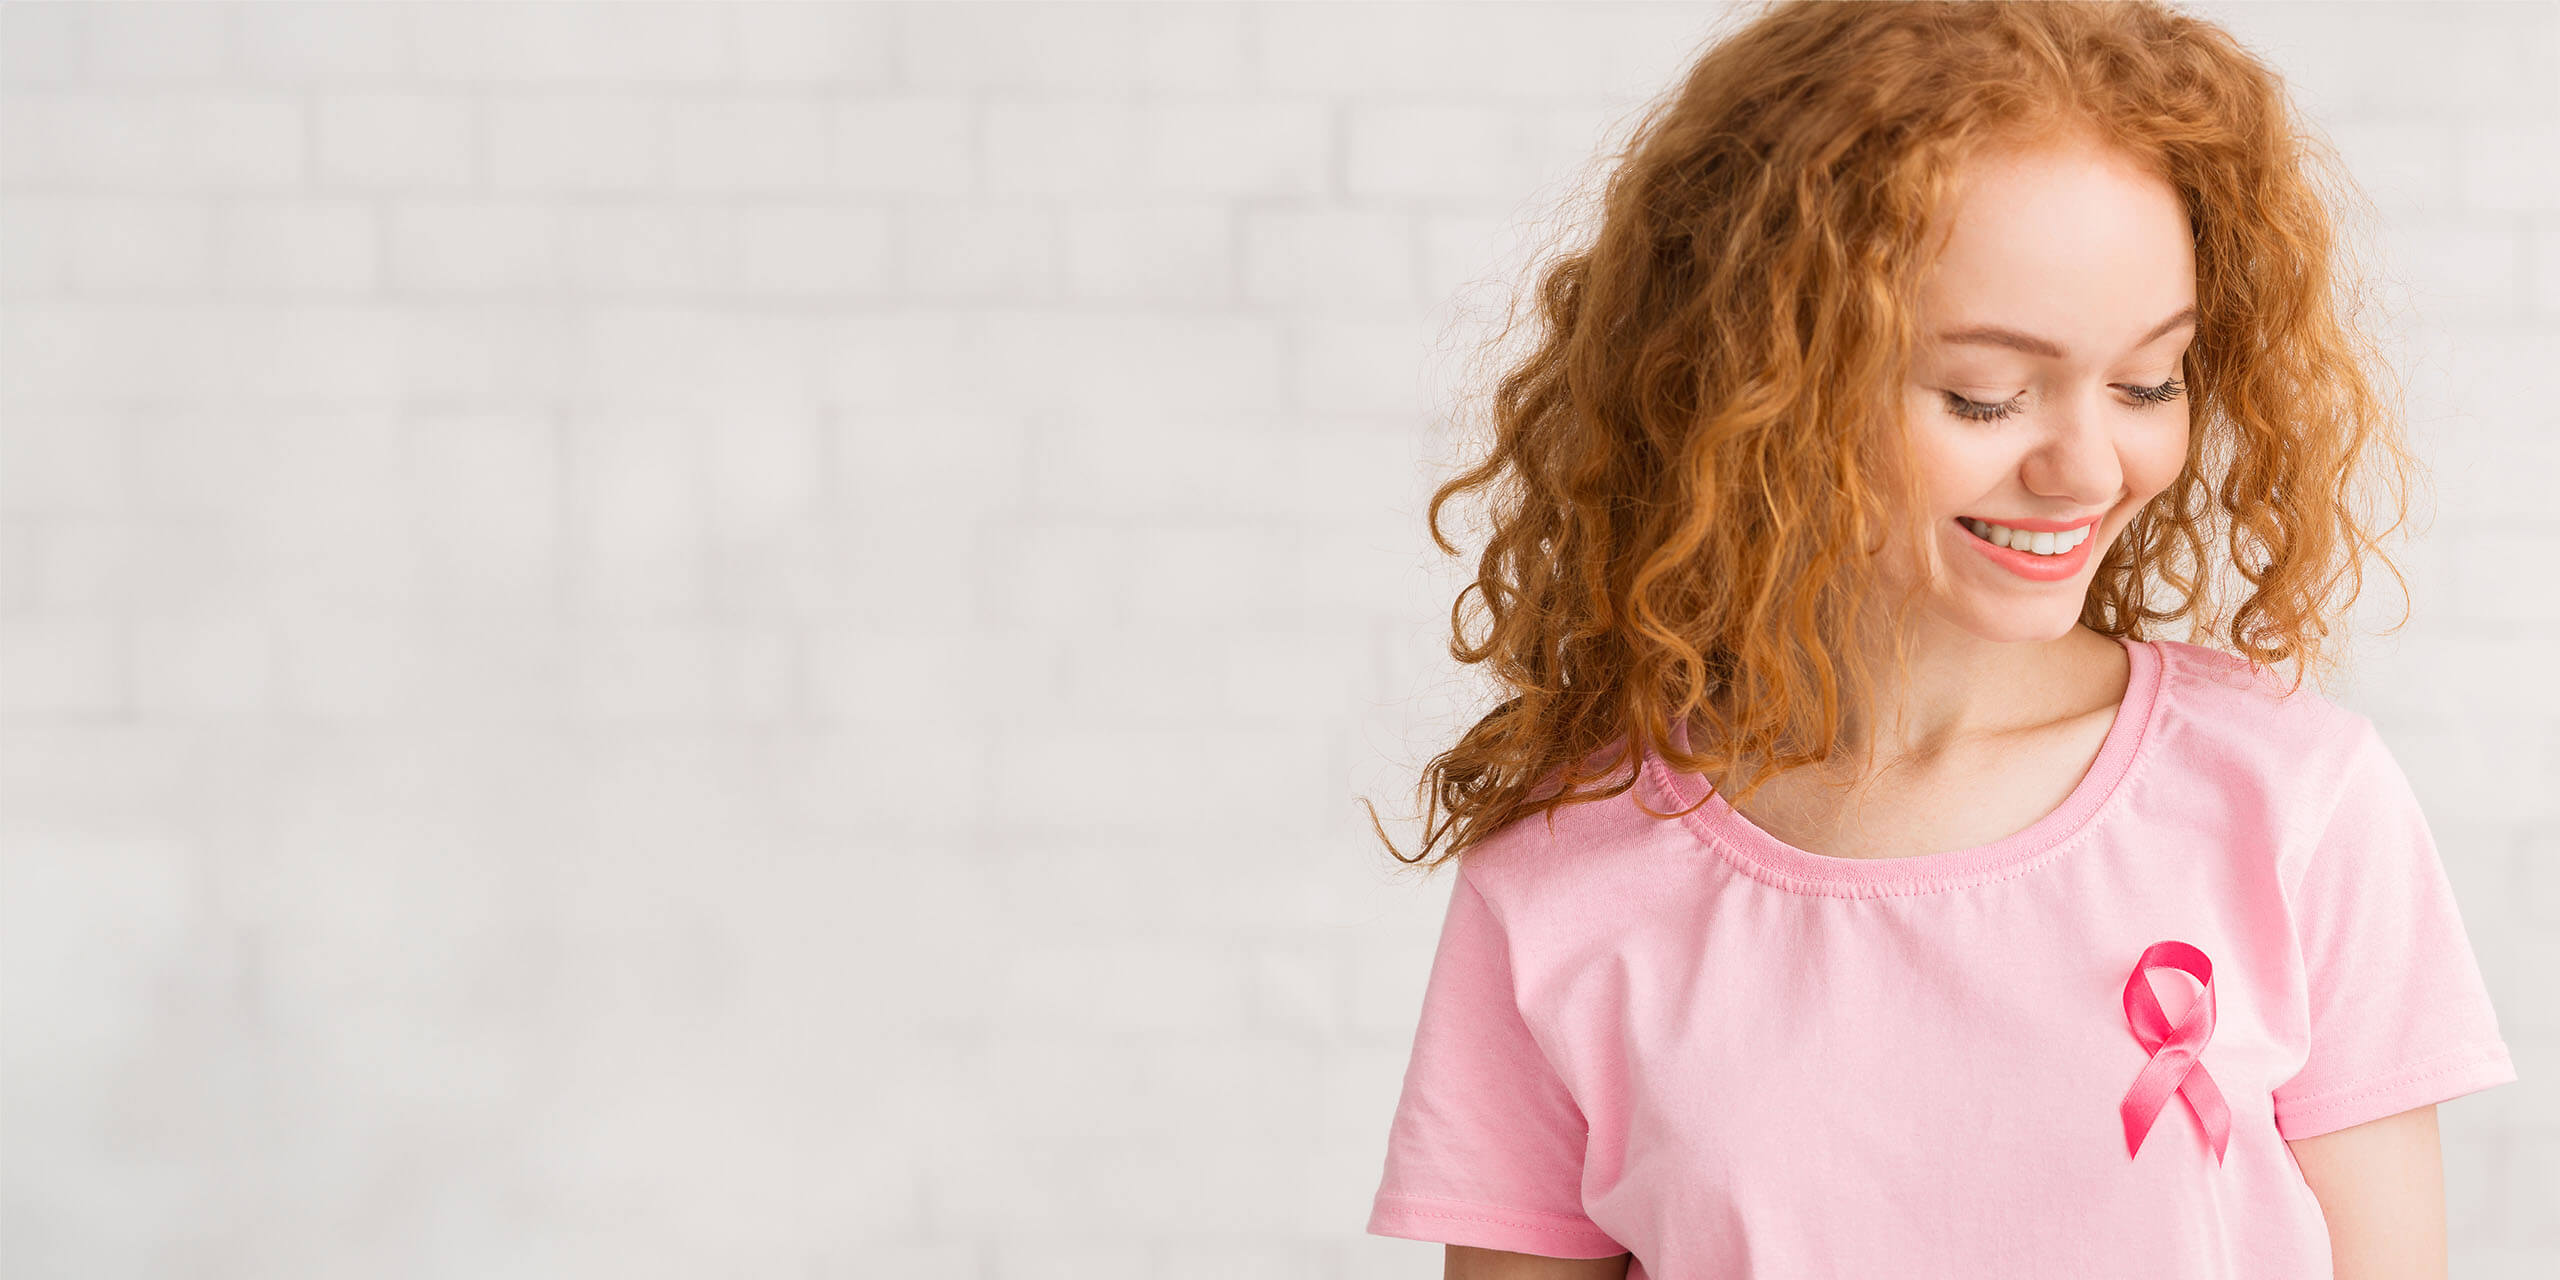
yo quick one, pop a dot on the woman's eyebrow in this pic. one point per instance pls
(1992, 335)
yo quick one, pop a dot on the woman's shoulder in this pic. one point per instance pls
(2220, 712)
(1585, 847)
(2198, 672)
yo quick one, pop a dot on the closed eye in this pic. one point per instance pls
(1975, 411)
(2161, 394)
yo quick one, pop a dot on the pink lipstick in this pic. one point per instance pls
(2027, 564)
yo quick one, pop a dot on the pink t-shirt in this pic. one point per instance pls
(1689, 1041)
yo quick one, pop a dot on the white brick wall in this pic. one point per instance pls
(678, 639)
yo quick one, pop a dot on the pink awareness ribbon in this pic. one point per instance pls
(2173, 1068)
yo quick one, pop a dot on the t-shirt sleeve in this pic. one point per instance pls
(1486, 1147)
(2399, 1017)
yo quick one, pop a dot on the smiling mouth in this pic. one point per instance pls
(2030, 543)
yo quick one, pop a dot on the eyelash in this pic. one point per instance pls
(1972, 411)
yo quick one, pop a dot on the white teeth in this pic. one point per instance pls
(2042, 544)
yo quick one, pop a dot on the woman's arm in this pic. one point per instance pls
(2381, 1186)
(1466, 1263)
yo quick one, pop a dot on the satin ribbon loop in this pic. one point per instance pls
(2174, 1068)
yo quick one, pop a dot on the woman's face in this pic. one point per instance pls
(2047, 393)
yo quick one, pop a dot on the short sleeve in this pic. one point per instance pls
(2398, 1017)
(1486, 1147)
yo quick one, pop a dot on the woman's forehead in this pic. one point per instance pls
(2074, 245)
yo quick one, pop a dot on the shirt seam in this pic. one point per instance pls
(1741, 860)
(2309, 837)
(1467, 883)
(2418, 1072)
(1565, 1224)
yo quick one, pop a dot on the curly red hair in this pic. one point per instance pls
(1684, 494)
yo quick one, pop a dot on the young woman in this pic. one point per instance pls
(1850, 884)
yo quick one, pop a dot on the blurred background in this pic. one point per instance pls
(676, 639)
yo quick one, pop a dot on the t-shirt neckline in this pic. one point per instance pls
(1766, 858)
